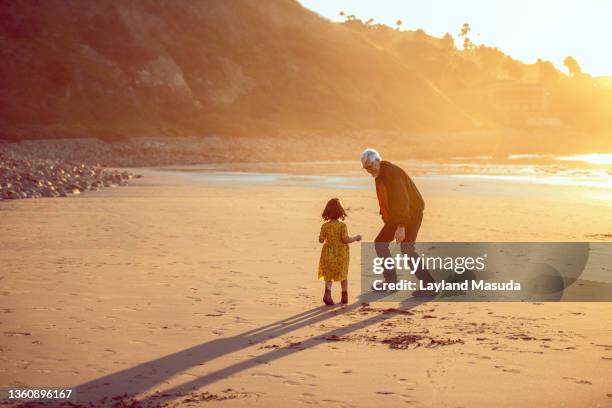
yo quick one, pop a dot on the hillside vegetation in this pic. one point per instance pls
(110, 69)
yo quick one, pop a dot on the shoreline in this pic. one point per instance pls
(191, 150)
(58, 167)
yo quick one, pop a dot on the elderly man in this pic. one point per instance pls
(401, 208)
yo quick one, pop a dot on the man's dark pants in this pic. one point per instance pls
(387, 234)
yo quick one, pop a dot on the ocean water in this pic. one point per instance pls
(586, 171)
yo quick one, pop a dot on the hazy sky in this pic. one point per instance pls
(527, 30)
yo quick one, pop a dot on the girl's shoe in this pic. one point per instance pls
(327, 299)
(344, 297)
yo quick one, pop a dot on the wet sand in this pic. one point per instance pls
(177, 282)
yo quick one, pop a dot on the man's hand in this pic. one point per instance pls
(357, 238)
(400, 234)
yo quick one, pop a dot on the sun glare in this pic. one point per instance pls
(596, 158)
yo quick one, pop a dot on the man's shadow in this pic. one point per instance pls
(143, 377)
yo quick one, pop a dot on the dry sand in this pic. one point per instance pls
(171, 284)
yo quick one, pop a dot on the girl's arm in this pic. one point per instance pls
(348, 240)
(345, 236)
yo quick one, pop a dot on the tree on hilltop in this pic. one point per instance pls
(572, 66)
(465, 30)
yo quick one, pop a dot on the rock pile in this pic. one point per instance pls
(30, 177)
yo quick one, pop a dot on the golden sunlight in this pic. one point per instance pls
(595, 158)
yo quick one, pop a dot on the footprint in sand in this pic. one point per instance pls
(304, 376)
(508, 370)
(308, 400)
(606, 347)
(14, 333)
(295, 383)
(140, 342)
(479, 356)
(578, 381)
(262, 374)
(409, 385)
(342, 404)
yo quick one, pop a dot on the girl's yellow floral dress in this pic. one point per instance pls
(334, 261)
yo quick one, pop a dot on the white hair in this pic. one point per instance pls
(369, 155)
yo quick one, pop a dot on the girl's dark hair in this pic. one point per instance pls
(334, 210)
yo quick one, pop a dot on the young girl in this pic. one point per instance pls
(334, 261)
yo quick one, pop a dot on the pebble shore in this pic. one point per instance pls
(24, 176)
(60, 167)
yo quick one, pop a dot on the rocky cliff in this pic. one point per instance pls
(110, 69)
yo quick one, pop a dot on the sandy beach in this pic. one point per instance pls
(193, 290)
(177, 179)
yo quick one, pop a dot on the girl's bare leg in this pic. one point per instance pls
(344, 285)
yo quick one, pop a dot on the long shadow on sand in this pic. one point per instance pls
(143, 377)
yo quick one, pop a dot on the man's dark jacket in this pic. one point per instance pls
(403, 200)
